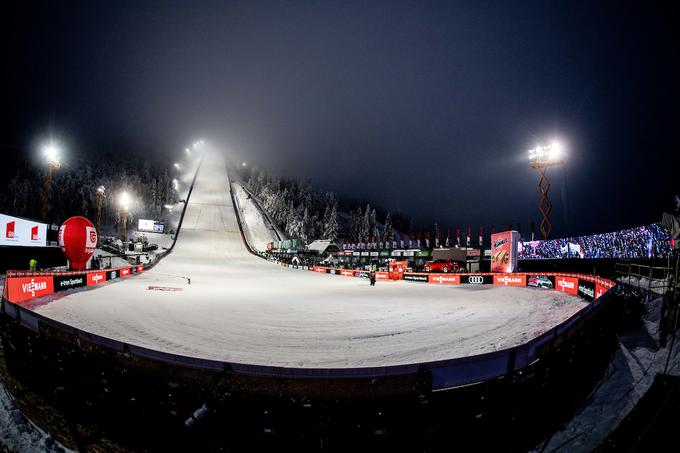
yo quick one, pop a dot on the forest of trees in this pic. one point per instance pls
(308, 214)
(73, 191)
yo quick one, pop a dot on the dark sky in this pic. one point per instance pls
(428, 107)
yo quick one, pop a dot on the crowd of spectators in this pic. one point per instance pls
(651, 241)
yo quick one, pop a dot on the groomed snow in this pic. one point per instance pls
(255, 225)
(240, 308)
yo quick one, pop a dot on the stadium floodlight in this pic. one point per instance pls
(175, 184)
(176, 165)
(244, 164)
(124, 201)
(188, 151)
(541, 157)
(168, 206)
(101, 194)
(52, 156)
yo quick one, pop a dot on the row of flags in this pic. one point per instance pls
(418, 239)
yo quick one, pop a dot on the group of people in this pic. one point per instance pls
(651, 241)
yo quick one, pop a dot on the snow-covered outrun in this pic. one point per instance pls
(241, 308)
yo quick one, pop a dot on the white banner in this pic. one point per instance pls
(22, 232)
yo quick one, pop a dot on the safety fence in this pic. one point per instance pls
(22, 286)
(444, 373)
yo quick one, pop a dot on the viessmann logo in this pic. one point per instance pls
(445, 278)
(509, 280)
(564, 284)
(33, 286)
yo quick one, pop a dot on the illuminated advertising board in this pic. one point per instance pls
(504, 251)
(21, 232)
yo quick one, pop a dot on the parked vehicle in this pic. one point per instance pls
(443, 265)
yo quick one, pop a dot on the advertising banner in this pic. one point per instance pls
(125, 272)
(21, 232)
(382, 275)
(567, 284)
(444, 279)
(94, 278)
(321, 270)
(586, 289)
(416, 277)
(25, 288)
(112, 274)
(541, 281)
(510, 280)
(145, 225)
(476, 279)
(63, 282)
(504, 251)
(347, 273)
(600, 290)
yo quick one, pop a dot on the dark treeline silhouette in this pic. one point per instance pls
(73, 190)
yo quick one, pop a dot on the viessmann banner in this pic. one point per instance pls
(21, 232)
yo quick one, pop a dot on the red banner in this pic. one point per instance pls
(125, 272)
(444, 279)
(94, 278)
(347, 273)
(510, 280)
(25, 288)
(567, 284)
(382, 275)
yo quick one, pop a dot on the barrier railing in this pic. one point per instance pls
(445, 373)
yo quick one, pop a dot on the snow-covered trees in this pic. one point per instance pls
(73, 190)
(296, 208)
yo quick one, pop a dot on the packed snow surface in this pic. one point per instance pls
(240, 308)
(256, 228)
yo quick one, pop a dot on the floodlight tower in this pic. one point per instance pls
(53, 159)
(101, 194)
(124, 203)
(540, 159)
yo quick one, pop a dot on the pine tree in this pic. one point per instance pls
(388, 234)
(330, 223)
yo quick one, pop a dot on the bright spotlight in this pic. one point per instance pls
(176, 165)
(188, 150)
(51, 153)
(244, 164)
(101, 190)
(124, 200)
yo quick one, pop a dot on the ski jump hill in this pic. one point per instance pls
(213, 306)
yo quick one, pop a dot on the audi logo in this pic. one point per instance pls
(476, 279)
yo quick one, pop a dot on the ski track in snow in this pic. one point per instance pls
(240, 308)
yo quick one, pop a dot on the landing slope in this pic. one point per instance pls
(240, 308)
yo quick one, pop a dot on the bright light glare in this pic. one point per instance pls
(244, 164)
(101, 190)
(176, 165)
(188, 150)
(51, 153)
(548, 153)
(124, 200)
(168, 206)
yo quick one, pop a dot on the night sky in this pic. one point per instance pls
(427, 107)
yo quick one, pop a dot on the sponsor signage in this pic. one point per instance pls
(586, 289)
(21, 232)
(94, 278)
(382, 275)
(567, 284)
(541, 281)
(140, 268)
(600, 290)
(321, 270)
(347, 273)
(63, 282)
(26, 288)
(356, 253)
(361, 274)
(364, 253)
(125, 272)
(162, 288)
(510, 280)
(374, 253)
(445, 279)
(504, 251)
(384, 253)
(113, 274)
(416, 277)
(145, 225)
(476, 279)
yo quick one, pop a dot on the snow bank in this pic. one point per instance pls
(255, 226)
(631, 372)
(17, 433)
